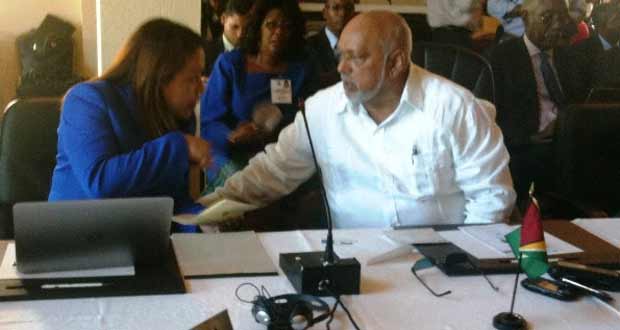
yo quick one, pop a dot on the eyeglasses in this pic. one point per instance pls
(423, 264)
(272, 25)
(455, 258)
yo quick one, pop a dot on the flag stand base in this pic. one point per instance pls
(509, 321)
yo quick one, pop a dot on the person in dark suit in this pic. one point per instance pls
(234, 21)
(535, 78)
(337, 13)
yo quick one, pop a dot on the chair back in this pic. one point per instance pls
(460, 65)
(587, 153)
(28, 141)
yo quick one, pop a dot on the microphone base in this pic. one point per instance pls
(305, 271)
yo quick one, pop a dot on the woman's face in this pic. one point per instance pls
(184, 90)
(274, 33)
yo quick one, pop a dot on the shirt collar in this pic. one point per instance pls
(412, 93)
(228, 46)
(532, 49)
(331, 37)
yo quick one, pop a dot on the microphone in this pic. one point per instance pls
(321, 273)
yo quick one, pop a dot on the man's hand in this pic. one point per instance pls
(199, 151)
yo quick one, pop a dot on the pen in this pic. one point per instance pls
(597, 293)
(340, 242)
(71, 285)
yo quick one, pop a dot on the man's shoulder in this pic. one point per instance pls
(508, 49)
(332, 97)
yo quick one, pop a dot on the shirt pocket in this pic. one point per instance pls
(432, 172)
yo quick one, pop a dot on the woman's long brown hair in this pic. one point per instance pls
(148, 61)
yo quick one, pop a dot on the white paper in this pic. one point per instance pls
(608, 229)
(414, 236)
(492, 235)
(480, 250)
(8, 270)
(219, 211)
(397, 252)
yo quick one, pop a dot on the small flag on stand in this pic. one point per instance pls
(528, 241)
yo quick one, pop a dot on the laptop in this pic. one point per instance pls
(88, 234)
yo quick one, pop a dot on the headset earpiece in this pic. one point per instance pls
(289, 311)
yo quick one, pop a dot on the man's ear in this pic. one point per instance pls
(399, 63)
(223, 19)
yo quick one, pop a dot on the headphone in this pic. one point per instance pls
(289, 311)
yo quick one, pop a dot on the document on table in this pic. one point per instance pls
(405, 238)
(8, 270)
(607, 229)
(219, 211)
(488, 241)
(222, 254)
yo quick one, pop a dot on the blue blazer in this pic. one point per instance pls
(103, 153)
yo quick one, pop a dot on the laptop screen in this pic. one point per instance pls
(88, 234)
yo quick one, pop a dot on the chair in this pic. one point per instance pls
(27, 154)
(460, 65)
(587, 153)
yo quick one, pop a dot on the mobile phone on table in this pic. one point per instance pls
(551, 288)
(594, 277)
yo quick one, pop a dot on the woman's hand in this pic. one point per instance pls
(199, 151)
(245, 133)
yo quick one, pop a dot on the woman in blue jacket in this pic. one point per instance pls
(255, 91)
(129, 133)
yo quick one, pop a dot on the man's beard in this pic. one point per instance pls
(360, 97)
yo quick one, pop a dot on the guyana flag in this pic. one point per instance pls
(529, 241)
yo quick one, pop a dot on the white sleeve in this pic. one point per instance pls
(277, 171)
(481, 164)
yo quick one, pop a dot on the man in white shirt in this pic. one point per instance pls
(397, 145)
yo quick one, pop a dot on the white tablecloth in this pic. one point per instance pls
(391, 298)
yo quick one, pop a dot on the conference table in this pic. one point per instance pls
(391, 297)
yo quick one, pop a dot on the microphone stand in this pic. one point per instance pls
(321, 273)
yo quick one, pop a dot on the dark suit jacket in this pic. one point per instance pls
(323, 58)
(213, 49)
(517, 102)
(588, 54)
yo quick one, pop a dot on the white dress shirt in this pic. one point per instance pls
(449, 12)
(438, 159)
(331, 37)
(548, 108)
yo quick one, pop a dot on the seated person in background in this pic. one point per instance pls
(508, 12)
(589, 53)
(234, 21)
(535, 78)
(579, 11)
(254, 91)
(452, 22)
(129, 132)
(397, 145)
(337, 13)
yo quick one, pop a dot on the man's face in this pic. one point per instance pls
(234, 27)
(548, 25)
(337, 13)
(361, 65)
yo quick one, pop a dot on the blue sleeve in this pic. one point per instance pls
(215, 105)
(91, 146)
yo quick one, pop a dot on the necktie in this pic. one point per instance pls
(551, 81)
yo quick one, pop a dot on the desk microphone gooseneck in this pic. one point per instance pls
(321, 273)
